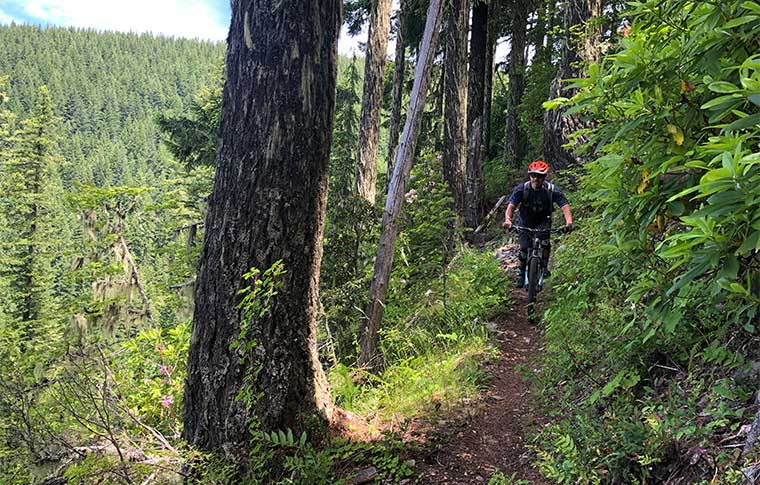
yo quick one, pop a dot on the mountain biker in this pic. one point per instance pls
(536, 199)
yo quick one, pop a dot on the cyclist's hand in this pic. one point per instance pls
(569, 228)
(507, 224)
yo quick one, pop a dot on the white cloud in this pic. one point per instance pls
(179, 18)
(7, 19)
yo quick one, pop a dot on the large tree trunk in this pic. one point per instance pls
(514, 138)
(372, 98)
(398, 87)
(475, 122)
(455, 83)
(558, 126)
(368, 356)
(488, 79)
(268, 204)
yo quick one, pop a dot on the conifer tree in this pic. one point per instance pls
(28, 201)
(267, 208)
(374, 66)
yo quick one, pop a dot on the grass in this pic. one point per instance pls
(420, 386)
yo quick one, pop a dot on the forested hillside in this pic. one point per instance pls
(107, 89)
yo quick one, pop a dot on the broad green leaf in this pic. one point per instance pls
(697, 164)
(715, 174)
(671, 321)
(737, 288)
(593, 398)
(752, 243)
(555, 103)
(720, 100)
(723, 391)
(755, 98)
(676, 207)
(753, 6)
(753, 120)
(723, 87)
(613, 384)
(740, 21)
(730, 268)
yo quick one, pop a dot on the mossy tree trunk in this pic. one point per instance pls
(514, 138)
(268, 204)
(558, 125)
(372, 98)
(475, 121)
(455, 84)
(488, 79)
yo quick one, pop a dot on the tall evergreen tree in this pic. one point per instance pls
(514, 138)
(374, 68)
(28, 201)
(455, 118)
(399, 71)
(268, 205)
(475, 88)
(559, 125)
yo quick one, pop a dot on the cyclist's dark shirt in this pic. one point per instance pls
(535, 210)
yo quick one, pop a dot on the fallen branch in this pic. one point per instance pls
(192, 225)
(182, 285)
(487, 220)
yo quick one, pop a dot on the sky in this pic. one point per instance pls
(203, 19)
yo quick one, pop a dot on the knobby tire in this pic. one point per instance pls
(533, 270)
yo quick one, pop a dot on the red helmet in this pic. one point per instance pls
(538, 167)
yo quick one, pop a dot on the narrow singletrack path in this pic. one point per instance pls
(491, 436)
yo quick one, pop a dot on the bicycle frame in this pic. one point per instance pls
(534, 270)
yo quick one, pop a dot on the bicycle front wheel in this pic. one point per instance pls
(533, 276)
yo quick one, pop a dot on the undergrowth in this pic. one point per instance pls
(627, 409)
(433, 348)
(650, 374)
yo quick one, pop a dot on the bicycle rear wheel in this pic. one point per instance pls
(533, 276)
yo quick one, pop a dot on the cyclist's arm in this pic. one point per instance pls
(568, 214)
(508, 215)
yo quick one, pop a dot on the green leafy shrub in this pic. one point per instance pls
(647, 331)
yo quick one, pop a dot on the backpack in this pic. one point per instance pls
(548, 186)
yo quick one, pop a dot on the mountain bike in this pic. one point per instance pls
(534, 270)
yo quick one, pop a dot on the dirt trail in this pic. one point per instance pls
(491, 435)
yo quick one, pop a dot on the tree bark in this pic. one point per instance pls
(372, 98)
(268, 204)
(398, 87)
(558, 126)
(514, 139)
(455, 83)
(488, 79)
(368, 356)
(476, 81)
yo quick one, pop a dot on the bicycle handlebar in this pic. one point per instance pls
(516, 228)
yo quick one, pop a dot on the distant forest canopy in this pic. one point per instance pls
(107, 87)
